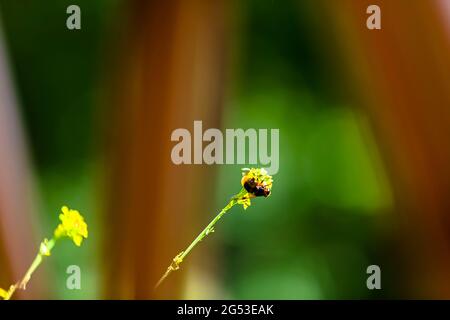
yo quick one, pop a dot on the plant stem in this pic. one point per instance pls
(44, 250)
(175, 265)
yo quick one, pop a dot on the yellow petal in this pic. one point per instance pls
(3, 293)
(77, 240)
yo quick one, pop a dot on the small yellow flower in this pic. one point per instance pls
(44, 249)
(245, 201)
(256, 178)
(3, 293)
(72, 226)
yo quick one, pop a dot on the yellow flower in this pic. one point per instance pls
(3, 293)
(245, 201)
(72, 226)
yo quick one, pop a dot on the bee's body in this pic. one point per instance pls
(255, 188)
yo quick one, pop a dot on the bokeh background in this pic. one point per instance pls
(364, 118)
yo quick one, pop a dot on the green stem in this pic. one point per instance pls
(175, 265)
(209, 228)
(36, 262)
(44, 250)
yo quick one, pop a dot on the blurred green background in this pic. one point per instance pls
(331, 213)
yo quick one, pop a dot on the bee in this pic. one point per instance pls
(254, 187)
